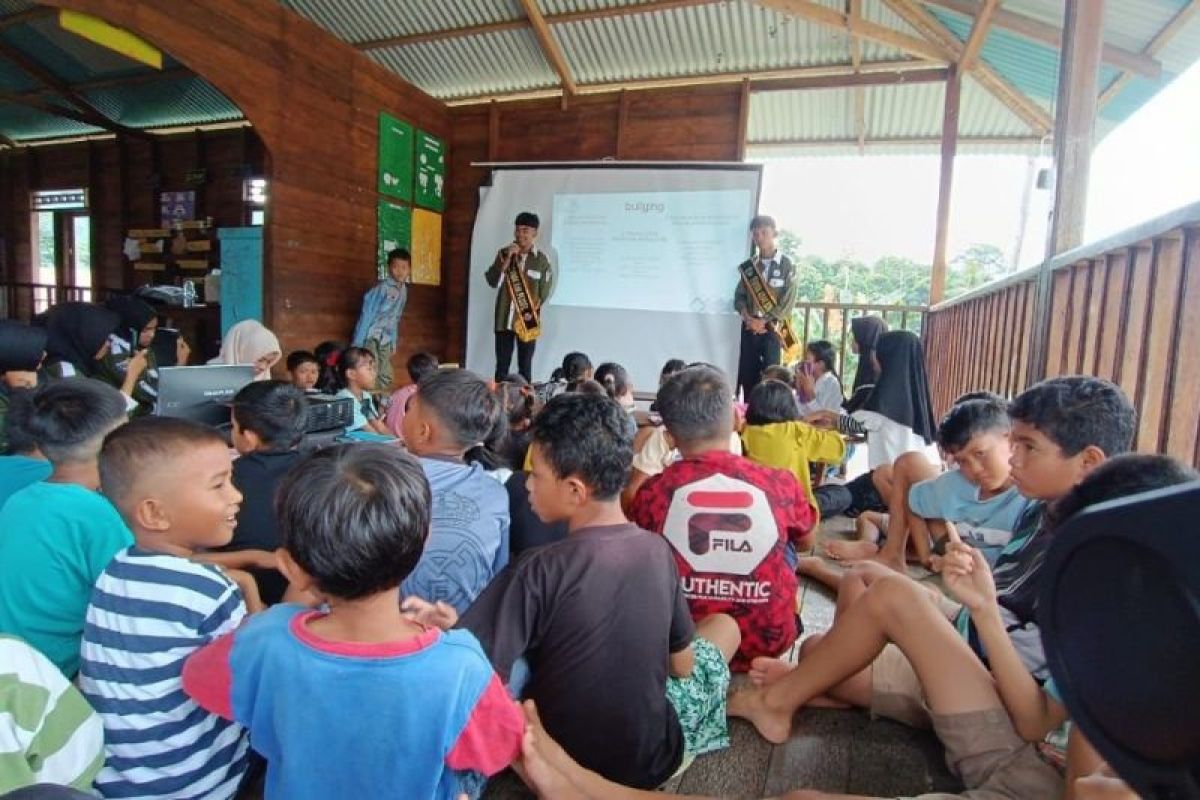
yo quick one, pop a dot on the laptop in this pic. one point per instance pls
(201, 394)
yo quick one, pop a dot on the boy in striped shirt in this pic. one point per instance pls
(152, 607)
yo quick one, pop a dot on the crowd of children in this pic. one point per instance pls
(179, 618)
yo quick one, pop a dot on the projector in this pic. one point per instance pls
(326, 412)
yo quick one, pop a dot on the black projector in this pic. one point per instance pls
(326, 412)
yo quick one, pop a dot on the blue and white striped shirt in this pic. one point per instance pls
(148, 613)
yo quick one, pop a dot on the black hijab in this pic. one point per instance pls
(76, 332)
(866, 332)
(902, 390)
(135, 314)
(21, 346)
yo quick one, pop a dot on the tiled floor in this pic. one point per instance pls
(834, 751)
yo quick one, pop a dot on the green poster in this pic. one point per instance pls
(395, 157)
(395, 230)
(431, 171)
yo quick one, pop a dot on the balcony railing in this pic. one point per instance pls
(831, 321)
(24, 300)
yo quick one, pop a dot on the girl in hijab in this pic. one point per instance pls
(22, 349)
(865, 333)
(249, 342)
(77, 341)
(134, 333)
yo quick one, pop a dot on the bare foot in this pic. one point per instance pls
(751, 705)
(765, 670)
(543, 764)
(820, 570)
(843, 550)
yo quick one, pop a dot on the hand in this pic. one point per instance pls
(805, 384)
(822, 419)
(137, 364)
(756, 326)
(437, 615)
(512, 250)
(245, 582)
(1102, 785)
(967, 576)
(182, 352)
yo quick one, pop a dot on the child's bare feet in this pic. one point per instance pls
(543, 764)
(821, 571)
(765, 670)
(843, 550)
(751, 705)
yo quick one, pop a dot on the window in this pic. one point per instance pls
(255, 195)
(62, 245)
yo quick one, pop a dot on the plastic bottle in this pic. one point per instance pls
(212, 286)
(189, 294)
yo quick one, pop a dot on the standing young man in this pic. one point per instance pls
(378, 325)
(766, 293)
(519, 302)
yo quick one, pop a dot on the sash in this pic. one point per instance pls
(766, 302)
(527, 323)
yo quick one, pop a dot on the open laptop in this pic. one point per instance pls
(201, 394)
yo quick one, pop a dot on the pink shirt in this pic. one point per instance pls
(396, 409)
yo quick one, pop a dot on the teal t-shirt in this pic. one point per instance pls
(55, 540)
(17, 472)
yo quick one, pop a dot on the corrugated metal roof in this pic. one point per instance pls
(368, 20)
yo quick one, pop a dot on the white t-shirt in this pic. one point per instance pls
(656, 455)
(888, 440)
(827, 396)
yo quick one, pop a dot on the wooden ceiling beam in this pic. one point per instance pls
(28, 15)
(550, 48)
(932, 142)
(853, 79)
(1161, 39)
(1028, 111)
(150, 76)
(854, 12)
(978, 35)
(859, 28)
(1043, 33)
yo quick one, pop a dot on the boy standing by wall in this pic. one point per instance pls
(378, 324)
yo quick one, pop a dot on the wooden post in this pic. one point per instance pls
(622, 123)
(743, 120)
(1074, 132)
(493, 131)
(937, 280)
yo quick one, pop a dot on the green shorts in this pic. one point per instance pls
(699, 700)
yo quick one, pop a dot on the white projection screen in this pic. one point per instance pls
(646, 261)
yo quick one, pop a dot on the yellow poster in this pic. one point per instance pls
(426, 247)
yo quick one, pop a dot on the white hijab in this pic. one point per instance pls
(245, 343)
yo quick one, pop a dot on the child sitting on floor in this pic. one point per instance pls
(735, 526)
(776, 437)
(356, 377)
(622, 676)
(57, 535)
(153, 606)
(354, 700)
(419, 365)
(452, 414)
(303, 370)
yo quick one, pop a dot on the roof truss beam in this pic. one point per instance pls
(979, 32)
(859, 28)
(1161, 39)
(550, 48)
(56, 110)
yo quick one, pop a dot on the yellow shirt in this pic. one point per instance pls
(791, 446)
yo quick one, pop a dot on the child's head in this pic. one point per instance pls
(304, 370)
(772, 401)
(421, 364)
(250, 342)
(171, 479)
(976, 434)
(452, 411)
(575, 367)
(353, 520)
(582, 452)
(697, 407)
(1062, 429)
(777, 372)
(615, 380)
(1121, 476)
(519, 404)
(672, 366)
(762, 232)
(356, 369)
(22, 348)
(821, 357)
(268, 415)
(399, 264)
(327, 353)
(68, 420)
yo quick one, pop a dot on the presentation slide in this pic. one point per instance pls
(644, 257)
(648, 250)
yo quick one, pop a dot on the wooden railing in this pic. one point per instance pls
(1126, 308)
(831, 321)
(23, 300)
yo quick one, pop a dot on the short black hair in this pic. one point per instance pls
(772, 401)
(969, 419)
(1077, 411)
(518, 401)
(984, 395)
(141, 447)
(574, 365)
(614, 378)
(298, 357)
(275, 410)
(16, 423)
(355, 517)
(421, 364)
(351, 358)
(672, 366)
(588, 386)
(465, 404)
(762, 221)
(69, 418)
(527, 219)
(399, 254)
(1121, 476)
(822, 350)
(696, 404)
(778, 372)
(587, 437)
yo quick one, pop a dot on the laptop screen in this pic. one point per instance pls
(201, 394)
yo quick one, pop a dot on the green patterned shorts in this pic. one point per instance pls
(699, 700)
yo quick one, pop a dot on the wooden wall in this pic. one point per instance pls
(123, 179)
(315, 102)
(692, 124)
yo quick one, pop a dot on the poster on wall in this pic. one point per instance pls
(395, 230)
(426, 247)
(176, 207)
(395, 157)
(431, 171)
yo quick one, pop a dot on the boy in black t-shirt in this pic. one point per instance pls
(268, 423)
(621, 675)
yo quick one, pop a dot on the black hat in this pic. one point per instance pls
(528, 219)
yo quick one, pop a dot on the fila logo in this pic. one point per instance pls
(721, 524)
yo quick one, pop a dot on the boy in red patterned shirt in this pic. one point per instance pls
(734, 525)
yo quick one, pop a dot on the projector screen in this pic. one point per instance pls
(645, 257)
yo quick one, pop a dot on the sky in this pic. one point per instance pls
(867, 207)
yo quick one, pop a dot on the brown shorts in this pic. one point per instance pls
(896, 691)
(993, 761)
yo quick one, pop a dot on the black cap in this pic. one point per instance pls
(528, 219)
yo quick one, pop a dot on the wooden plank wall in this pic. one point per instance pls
(123, 179)
(1130, 314)
(314, 101)
(696, 124)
